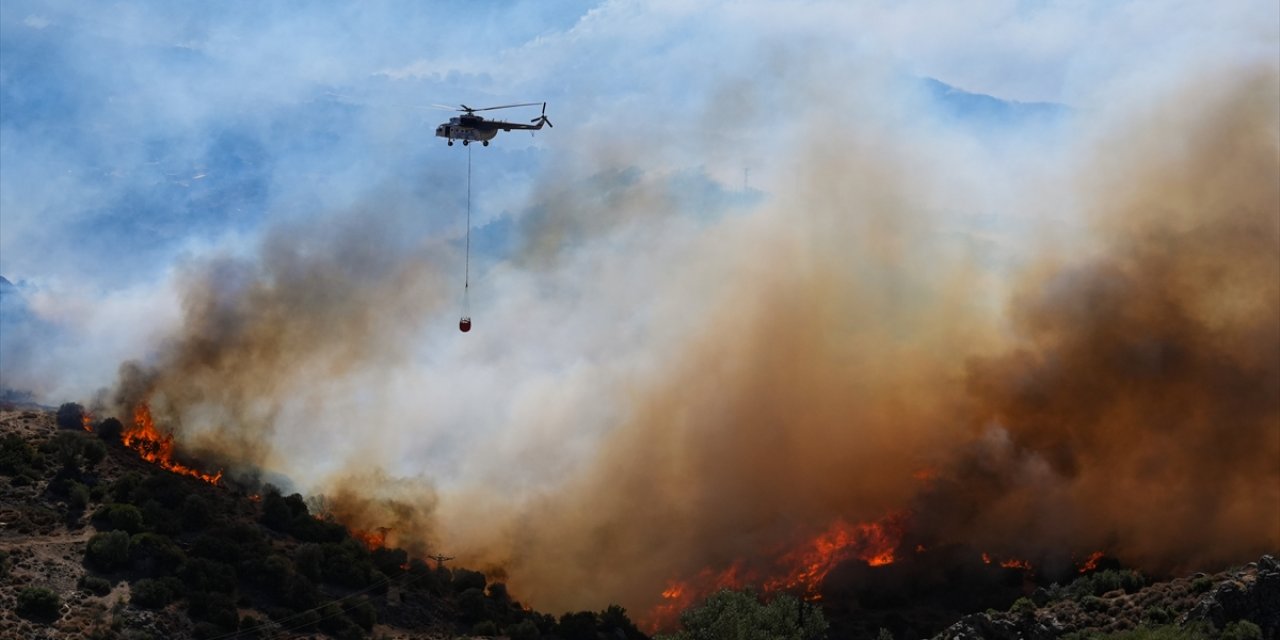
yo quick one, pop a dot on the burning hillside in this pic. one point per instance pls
(790, 382)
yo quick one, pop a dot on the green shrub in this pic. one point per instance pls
(71, 416)
(217, 608)
(16, 456)
(109, 430)
(150, 594)
(38, 603)
(525, 630)
(308, 558)
(484, 628)
(108, 551)
(155, 554)
(195, 513)
(115, 516)
(743, 611)
(1202, 584)
(93, 451)
(464, 579)
(95, 585)
(1100, 582)
(1023, 607)
(205, 575)
(1242, 630)
(363, 614)
(4, 563)
(78, 497)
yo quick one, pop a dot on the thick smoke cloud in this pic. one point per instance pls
(1036, 341)
(846, 368)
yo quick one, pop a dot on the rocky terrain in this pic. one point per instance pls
(1243, 602)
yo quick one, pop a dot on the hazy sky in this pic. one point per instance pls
(263, 177)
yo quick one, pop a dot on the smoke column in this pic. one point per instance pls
(656, 390)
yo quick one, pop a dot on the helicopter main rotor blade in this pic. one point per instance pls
(507, 106)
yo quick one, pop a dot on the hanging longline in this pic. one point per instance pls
(465, 323)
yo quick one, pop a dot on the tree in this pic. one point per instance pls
(38, 603)
(71, 416)
(108, 551)
(740, 615)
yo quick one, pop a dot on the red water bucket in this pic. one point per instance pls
(464, 324)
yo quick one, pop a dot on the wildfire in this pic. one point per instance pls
(371, 539)
(1091, 562)
(157, 448)
(807, 566)
(1011, 563)
(803, 568)
(86, 421)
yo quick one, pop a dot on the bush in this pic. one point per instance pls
(95, 585)
(78, 497)
(1202, 584)
(38, 603)
(743, 612)
(150, 594)
(308, 558)
(155, 554)
(464, 579)
(216, 608)
(195, 513)
(108, 551)
(1098, 583)
(109, 430)
(1242, 630)
(71, 416)
(205, 575)
(525, 630)
(16, 456)
(614, 622)
(1023, 607)
(484, 628)
(364, 615)
(93, 451)
(122, 517)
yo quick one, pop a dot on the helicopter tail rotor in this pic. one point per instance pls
(543, 118)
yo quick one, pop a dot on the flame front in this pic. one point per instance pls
(1091, 562)
(157, 448)
(808, 565)
(800, 569)
(371, 539)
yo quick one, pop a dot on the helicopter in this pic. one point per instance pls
(470, 127)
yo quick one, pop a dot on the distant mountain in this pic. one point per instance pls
(979, 108)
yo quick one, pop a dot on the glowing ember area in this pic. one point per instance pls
(86, 421)
(1091, 562)
(157, 448)
(1011, 563)
(371, 539)
(872, 542)
(680, 595)
(800, 570)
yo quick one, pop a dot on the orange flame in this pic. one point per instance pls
(86, 421)
(1091, 562)
(802, 568)
(157, 448)
(1011, 563)
(370, 539)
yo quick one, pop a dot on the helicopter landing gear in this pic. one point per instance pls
(486, 143)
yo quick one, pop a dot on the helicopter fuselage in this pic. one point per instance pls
(469, 128)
